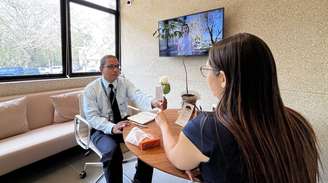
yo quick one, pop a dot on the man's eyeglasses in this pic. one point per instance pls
(205, 70)
(113, 66)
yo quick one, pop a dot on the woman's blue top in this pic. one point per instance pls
(216, 142)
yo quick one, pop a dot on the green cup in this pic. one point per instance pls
(166, 88)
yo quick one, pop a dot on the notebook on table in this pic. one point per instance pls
(142, 117)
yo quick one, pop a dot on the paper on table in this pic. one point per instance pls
(159, 92)
(185, 114)
(142, 117)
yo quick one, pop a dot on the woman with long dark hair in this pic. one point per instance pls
(251, 136)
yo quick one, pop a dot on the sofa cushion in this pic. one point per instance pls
(66, 106)
(40, 110)
(26, 148)
(13, 117)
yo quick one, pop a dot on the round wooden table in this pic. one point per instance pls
(156, 157)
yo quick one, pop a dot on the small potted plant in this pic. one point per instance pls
(188, 97)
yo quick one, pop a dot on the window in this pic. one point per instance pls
(55, 38)
(30, 37)
(92, 38)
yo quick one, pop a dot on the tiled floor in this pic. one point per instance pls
(65, 167)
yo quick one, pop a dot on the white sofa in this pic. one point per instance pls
(28, 132)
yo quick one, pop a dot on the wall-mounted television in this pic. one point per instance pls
(190, 35)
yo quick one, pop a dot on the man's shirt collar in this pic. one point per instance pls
(106, 83)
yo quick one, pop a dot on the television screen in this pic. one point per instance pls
(190, 35)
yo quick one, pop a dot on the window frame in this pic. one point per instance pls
(66, 42)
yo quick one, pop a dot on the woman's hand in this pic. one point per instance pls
(161, 104)
(161, 119)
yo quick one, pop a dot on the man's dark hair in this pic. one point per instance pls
(185, 25)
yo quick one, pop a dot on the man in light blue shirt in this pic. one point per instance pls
(105, 105)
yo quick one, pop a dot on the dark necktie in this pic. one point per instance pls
(116, 111)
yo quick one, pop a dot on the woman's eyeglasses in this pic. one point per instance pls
(205, 70)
